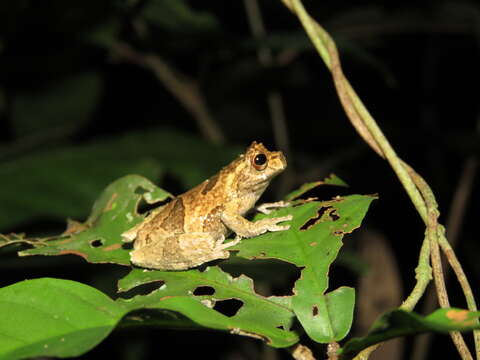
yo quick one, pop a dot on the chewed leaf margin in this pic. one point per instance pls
(99, 240)
(313, 242)
(332, 179)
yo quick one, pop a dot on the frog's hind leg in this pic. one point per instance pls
(220, 245)
(149, 256)
(203, 246)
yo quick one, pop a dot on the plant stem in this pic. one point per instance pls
(418, 190)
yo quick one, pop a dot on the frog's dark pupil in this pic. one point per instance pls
(260, 159)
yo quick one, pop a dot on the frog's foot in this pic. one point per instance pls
(272, 224)
(220, 246)
(267, 208)
(247, 229)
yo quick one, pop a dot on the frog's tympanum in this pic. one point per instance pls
(191, 229)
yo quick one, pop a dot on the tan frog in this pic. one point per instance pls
(191, 229)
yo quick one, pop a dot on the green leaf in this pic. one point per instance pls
(54, 317)
(98, 240)
(402, 323)
(325, 317)
(63, 106)
(313, 242)
(331, 180)
(268, 318)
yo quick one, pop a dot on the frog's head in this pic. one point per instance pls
(260, 166)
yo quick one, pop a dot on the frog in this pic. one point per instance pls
(192, 228)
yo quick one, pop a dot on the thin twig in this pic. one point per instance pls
(418, 190)
(301, 352)
(358, 114)
(6, 240)
(464, 283)
(440, 282)
(435, 235)
(332, 350)
(454, 221)
(185, 89)
(423, 275)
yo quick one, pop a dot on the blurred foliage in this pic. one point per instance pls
(64, 182)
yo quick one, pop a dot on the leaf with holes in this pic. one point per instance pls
(402, 323)
(98, 240)
(54, 317)
(198, 295)
(313, 242)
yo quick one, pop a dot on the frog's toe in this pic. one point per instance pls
(279, 227)
(283, 218)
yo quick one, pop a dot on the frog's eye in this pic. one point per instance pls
(260, 161)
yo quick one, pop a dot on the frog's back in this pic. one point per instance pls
(203, 206)
(169, 219)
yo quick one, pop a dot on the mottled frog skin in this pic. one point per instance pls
(191, 229)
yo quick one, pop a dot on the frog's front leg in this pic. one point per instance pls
(267, 208)
(245, 228)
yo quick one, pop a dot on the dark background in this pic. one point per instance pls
(80, 105)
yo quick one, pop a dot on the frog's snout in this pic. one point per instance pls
(282, 160)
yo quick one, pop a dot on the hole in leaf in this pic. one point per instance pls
(96, 243)
(204, 267)
(204, 290)
(228, 307)
(144, 207)
(271, 277)
(334, 215)
(315, 310)
(325, 213)
(281, 327)
(140, 190)
(127, 246)
(315, 219)
(143, 289)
